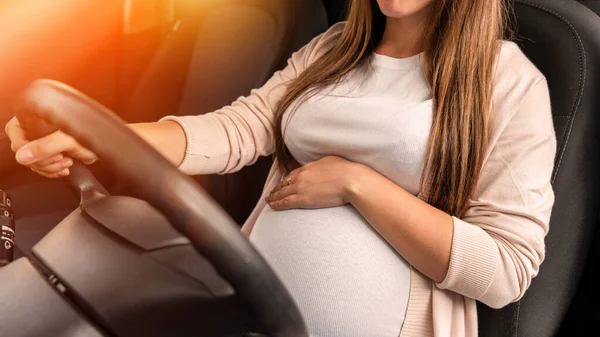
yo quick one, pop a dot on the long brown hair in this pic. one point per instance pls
(461, 45)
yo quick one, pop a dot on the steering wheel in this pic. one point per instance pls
(47, 106)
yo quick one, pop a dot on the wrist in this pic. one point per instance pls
(357, 175)
(167, 137)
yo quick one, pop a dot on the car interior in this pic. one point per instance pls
(144, 60)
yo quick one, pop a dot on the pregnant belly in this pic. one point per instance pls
(346, 279)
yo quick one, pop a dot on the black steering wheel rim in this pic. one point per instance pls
(47, 106)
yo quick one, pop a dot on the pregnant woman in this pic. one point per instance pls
(414, 148)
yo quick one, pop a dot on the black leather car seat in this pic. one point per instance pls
(336, 10)
(583, 314)
(562, 38)
(592, 4)
(219, 51)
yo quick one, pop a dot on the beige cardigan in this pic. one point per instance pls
(497, 246)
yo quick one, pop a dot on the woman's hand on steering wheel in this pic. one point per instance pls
(50, 156)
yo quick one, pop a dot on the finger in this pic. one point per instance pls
(289, 180)
(55, 167)
(60, 174)
(296, 175)
(45, 147)
(83, 155)
(54, 159)
(279, 186)
(282, 193)
(289, 202)
(40, 172)
(15, 134)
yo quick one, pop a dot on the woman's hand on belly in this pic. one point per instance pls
(326, 182)
(419, 232)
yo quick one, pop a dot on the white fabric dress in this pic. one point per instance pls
(346, 279)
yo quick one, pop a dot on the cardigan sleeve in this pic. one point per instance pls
(225, 140)
(498, 245)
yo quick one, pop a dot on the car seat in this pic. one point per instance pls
(562, 38)
(219, 51)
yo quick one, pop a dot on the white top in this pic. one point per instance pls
(497, 247)
(346, 279)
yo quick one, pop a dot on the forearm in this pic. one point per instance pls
(419, 232)
(167, 137)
